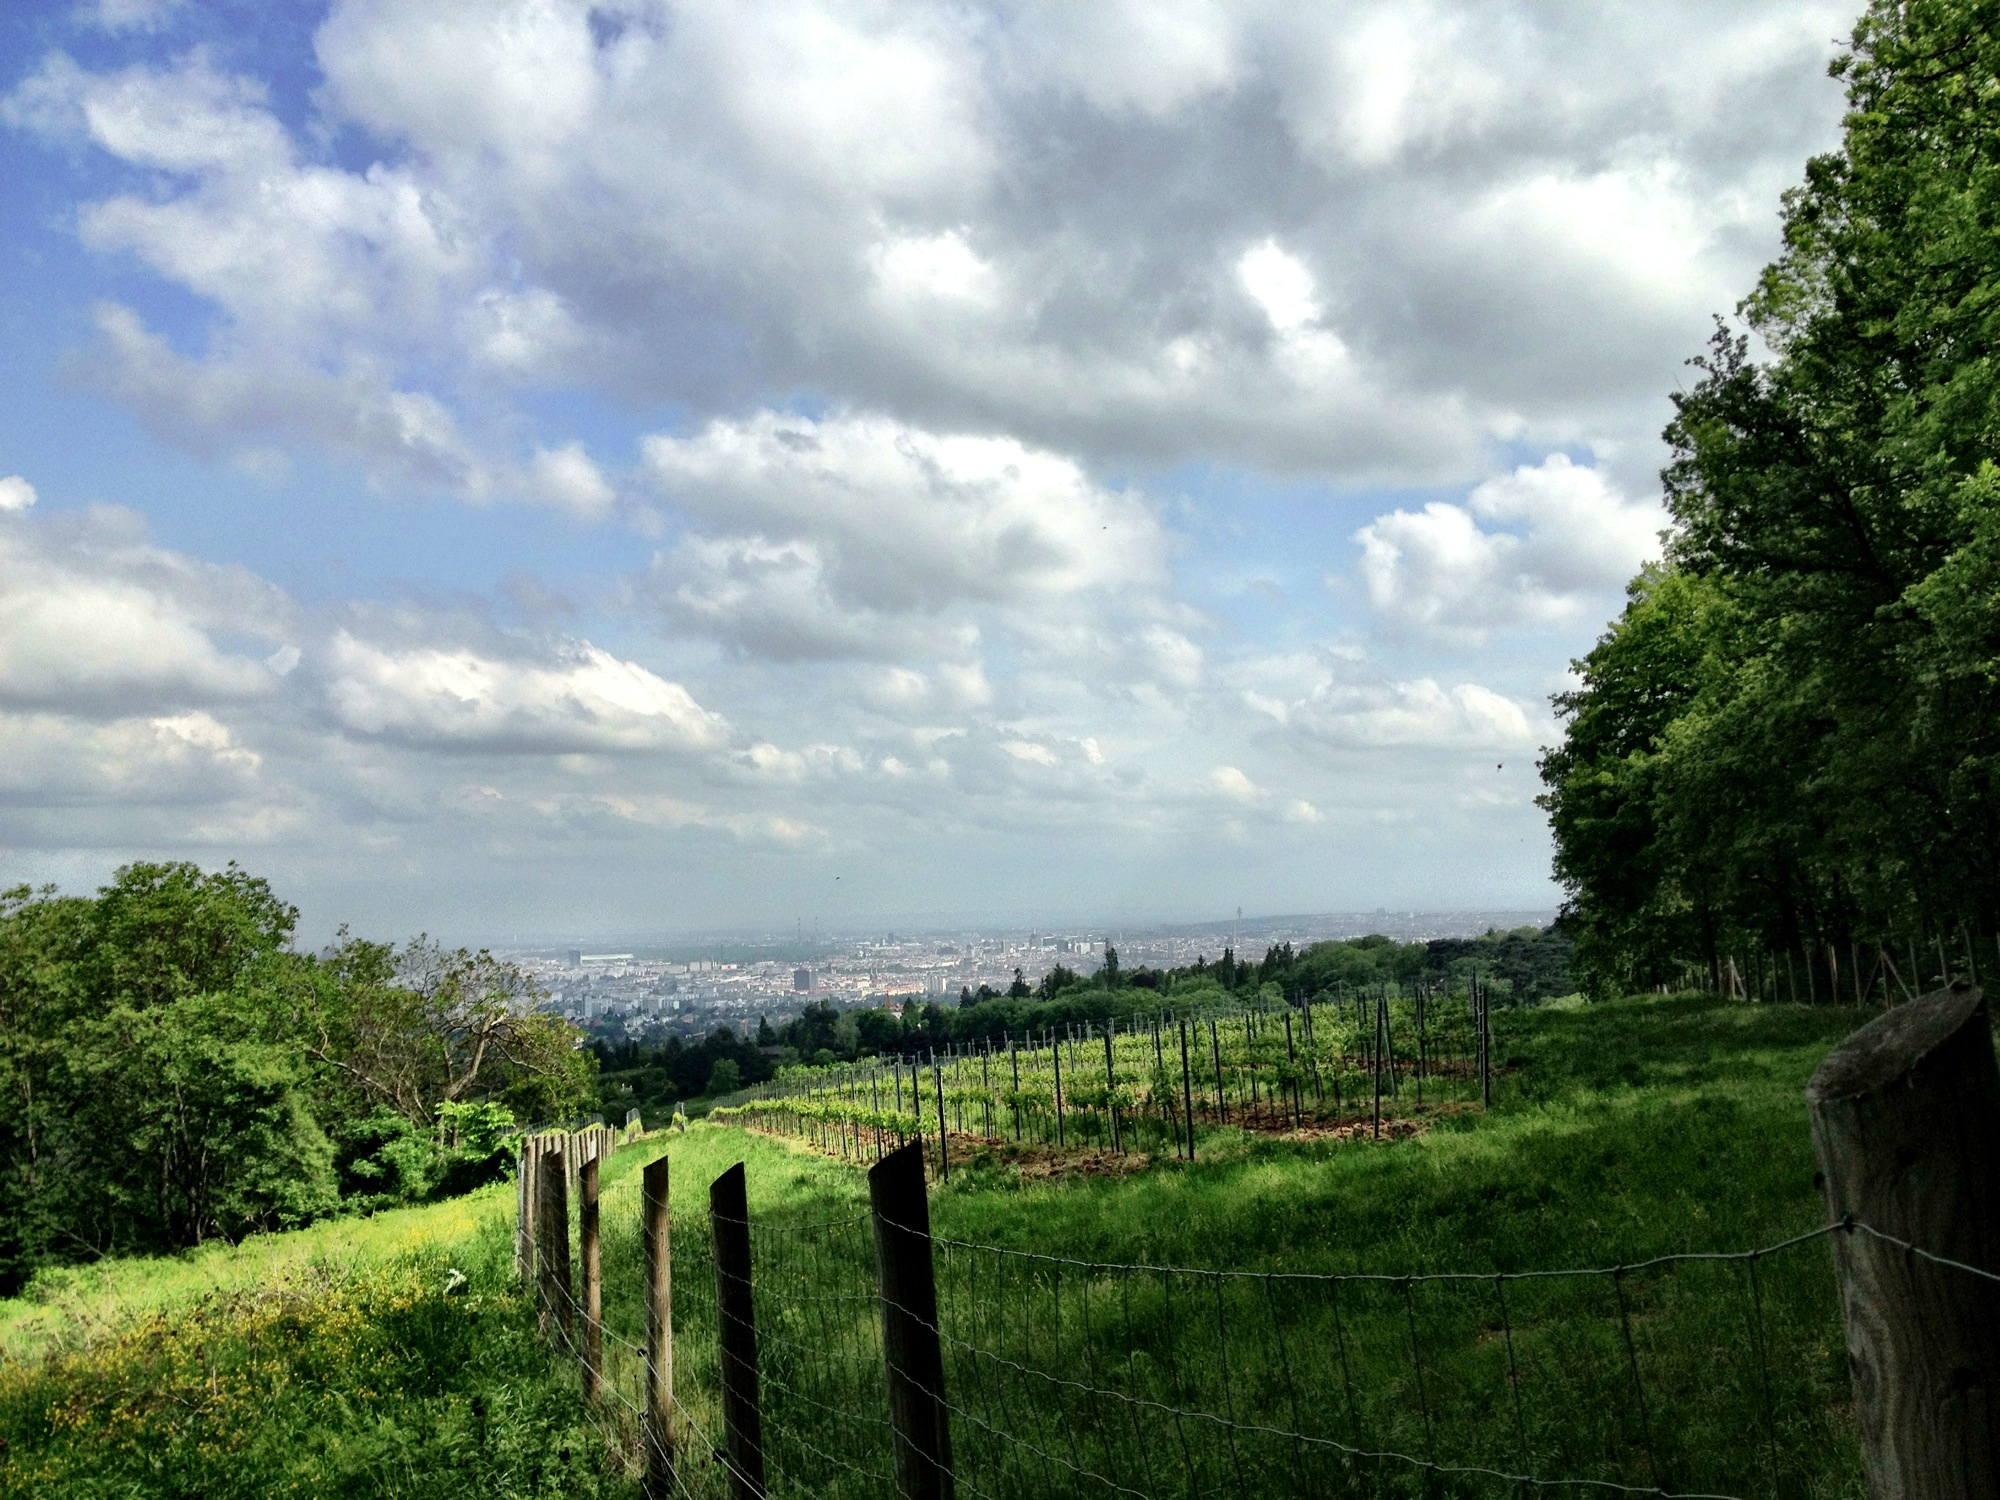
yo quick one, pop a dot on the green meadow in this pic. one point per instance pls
(396, 1355)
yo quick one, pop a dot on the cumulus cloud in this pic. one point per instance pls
(584, 700)
(1417, 714)
(51, 760)
(1334, 241)
(96, 620)
(567, 478)
(912, 520)
(1451, 570)
(16, 493)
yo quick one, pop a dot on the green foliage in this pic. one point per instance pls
(1791, 739)
(171, 1071)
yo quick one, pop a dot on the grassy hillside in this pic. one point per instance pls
(335, 1361)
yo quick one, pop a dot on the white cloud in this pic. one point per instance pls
(1153, 57)
(567, 478)
(398, 435)
(96, 620)
(129, 15)
(585, 700)
(1235, 786)
(16, 493)
(1440, 571)
(910, 519)
(48, 760)
(1417, 714)
(1280, 284)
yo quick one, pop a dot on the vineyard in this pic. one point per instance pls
(1372, 1063)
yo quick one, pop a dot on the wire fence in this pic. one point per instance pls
(1705, 1376)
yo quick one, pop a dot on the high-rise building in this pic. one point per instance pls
(802, 980)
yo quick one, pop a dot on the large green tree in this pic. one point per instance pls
(1791, 738)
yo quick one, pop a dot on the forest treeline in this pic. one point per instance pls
(1520, 967)
(1789, 742)
(172, 1070)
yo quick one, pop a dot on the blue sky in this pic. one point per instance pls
(574, 468)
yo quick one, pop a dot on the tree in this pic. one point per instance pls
(1056, 980)
(1791, 739)
(425, 1026)
(1020, 989)
(725, 1077)
(1108, 974)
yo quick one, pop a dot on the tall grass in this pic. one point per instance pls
(342, 1365)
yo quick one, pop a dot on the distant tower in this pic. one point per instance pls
(802, 980)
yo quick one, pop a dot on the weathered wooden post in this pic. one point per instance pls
(736, 1327)
(590, 1256)
(654, 1221)
(1905, 1124)
(526, 1206)
(910, 1343)
(634, 1127)
(552, 1243)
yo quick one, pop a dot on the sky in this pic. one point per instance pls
(539, 467)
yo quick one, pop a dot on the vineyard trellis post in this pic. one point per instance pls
(736, 1331)
(944, 1149)
(1904, 1117)
(911, 1350)
(655, 1230)
(1187, 1093)
(1111, 1091)
(1485, 1048)
(1381, 1000)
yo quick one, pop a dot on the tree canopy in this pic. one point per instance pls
(1790, 740)
(172, 1070)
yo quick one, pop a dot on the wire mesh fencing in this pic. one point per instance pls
(1714, 1374)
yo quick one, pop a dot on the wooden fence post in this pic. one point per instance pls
(910, 1345)
(654, 1222)
(526, 1206)
(1905, 1115)
(590, 1255)
(552, 1242)
(736, 1329)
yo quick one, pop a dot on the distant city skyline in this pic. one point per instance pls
(596, 465)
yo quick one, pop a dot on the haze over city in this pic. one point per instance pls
(582, 469)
